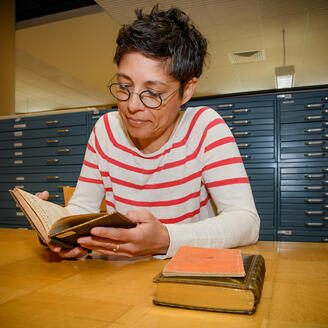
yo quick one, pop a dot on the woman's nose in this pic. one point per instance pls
(135, 103)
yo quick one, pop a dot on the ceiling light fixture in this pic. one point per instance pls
(285, 75)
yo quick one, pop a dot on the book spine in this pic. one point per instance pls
(257, 275)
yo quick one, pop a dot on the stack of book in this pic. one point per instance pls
(222, 280)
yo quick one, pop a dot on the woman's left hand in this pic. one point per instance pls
(149, 237)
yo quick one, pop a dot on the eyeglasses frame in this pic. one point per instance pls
(162, 100)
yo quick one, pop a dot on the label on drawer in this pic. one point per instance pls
(19, 214)
(20, 178)
(18, 133)
(19, 126)
(17, 162)
(18, 144)
(18, 153)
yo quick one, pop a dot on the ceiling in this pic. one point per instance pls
(64, 50)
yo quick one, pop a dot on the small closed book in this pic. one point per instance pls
(54, 224)
(205, 262)
(219, 294)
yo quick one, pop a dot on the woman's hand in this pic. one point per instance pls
(43, 195)
(149, 237)
(66, 253)
(61, 251)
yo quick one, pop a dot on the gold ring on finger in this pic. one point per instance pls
(117, 247)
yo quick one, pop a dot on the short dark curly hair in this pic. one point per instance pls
(165, 35)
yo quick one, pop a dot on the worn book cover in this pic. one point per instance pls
(54, 223)
(221, 294)
(199, 261)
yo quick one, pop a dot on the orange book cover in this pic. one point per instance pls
(207, 262)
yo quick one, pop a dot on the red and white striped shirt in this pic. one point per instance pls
(196, 184)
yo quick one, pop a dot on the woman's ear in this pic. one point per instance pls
(189, 89)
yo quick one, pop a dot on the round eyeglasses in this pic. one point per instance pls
(149, 98)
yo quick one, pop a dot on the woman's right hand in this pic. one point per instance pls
(64, 253)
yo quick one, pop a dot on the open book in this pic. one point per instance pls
(54, 224)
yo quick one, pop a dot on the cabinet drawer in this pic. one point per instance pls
(304, 116)
(300, 104)
(44, 121)
(235, 103)
(305, 236)
(43, 133)
(26, 177)
(47, 151)
(32, 161)
(56, 141)
(247, 114)
(268, 235)
(14, 222)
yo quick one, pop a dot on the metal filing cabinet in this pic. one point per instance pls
(303, 166)
(39, 153)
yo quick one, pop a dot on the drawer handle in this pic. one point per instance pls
(315, 201)
(54, 177)
(314, 212)
(55, 160)
(324, 239)
(54, 196)
(314, 176)
(316, 188)
(325, 207)
(314, 224)
(324, 123)
(242, 122)
(313, 105)
(243, 110)
(316, 142)
(246, 156)
(63, 131)
(51, 122)
(64, 150)
(232, 128)
(52, 141)
(325, 169)
(241, 134)
(61, 187)
(285, 232)
(314, 117)
(325, 135)
(224, 106)
(317, 130)
(314, 154)
(324, 147)
(325, 194)
(228, 117)
(244, 145)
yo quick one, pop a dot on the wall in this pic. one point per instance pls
(7, 57)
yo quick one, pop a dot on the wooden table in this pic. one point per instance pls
(37, 289)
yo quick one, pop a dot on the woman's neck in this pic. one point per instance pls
(149, 146)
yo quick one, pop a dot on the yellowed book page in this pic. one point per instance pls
(48, 212)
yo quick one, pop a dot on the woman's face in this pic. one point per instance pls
(148, 128)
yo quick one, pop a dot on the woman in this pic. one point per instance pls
(178, 175)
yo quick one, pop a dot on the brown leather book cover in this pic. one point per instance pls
(219, 294)
(55, 225)
(67, 230)
(198, 261)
